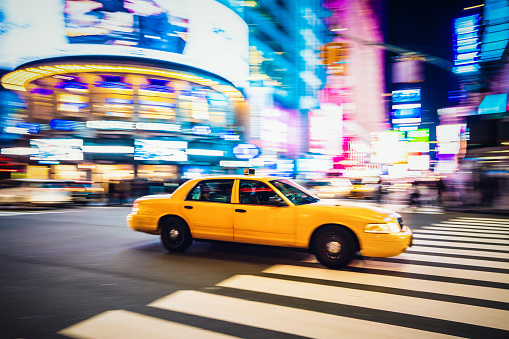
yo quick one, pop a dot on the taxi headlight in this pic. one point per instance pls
(390, 227)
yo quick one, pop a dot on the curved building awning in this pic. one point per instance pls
(18, 80)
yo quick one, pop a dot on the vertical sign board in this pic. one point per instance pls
(466, 44)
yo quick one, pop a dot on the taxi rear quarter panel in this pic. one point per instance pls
(153, 209)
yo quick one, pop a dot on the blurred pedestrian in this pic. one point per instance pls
(112, 194)
(124, 191)
(440, 191)
(415, 195)
(487, 187)
(381, 191)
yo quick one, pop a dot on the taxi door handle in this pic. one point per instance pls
(189, 207)
(240, 211)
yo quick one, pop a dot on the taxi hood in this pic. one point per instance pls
(358, 210)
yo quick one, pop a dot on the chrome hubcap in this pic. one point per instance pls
(174, 234)
(333, 247)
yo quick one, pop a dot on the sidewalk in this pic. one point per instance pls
(398, 206)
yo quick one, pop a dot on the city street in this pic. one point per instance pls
(131, 128)
(82, 273)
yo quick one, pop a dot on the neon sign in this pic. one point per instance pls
(466, 44)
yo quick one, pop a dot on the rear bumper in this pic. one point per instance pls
(142, 223)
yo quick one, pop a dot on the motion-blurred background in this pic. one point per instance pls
(107, 100)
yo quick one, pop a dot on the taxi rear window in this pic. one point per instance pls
(212, 191)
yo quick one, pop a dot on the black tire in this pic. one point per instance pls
(333, 247)
(175, 235)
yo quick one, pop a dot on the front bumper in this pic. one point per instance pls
(385, 245)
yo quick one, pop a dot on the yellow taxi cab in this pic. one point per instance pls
(363, 188)
(269, 211)
(330, 188)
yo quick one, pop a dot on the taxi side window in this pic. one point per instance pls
(212, 191)
(253, 192)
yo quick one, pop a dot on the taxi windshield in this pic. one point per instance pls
(297, 194)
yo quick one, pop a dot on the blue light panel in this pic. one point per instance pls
(496, 34)
(466, 44)
(495, 103)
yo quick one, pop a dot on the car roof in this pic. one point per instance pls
(236, 176)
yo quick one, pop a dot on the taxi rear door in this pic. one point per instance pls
(210, 218)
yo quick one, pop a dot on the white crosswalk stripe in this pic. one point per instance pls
(469, 291)
(454, 261)
(480, 316)
(493, 226)
(471, 239)
(500, 220)
(433, 271)
(473, 252)
(472, 229)
(122, 324)
(463, 233)
(453, 282)
(469, 245)
(289, 320)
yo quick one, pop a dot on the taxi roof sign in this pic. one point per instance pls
(249, 171)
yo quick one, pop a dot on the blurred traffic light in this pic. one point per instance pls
(334, 56)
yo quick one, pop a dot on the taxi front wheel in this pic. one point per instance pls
(175, 235)
(333, 247)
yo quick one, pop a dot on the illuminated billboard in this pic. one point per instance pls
(57, 149)
(406, 95)
(406, 108)
(146, 24)
(198, 33)
(406, 113)
(275, 129)
(418, 135)
(466, 44)
(165, 150)
(326, 130)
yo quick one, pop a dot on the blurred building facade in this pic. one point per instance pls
(286, 76)
(300, 88)
(113, 92)
(355, 84)
(477, 119)
(162, 91)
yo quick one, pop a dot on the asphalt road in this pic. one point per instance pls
(83, 271)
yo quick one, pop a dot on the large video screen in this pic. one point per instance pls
(407, 95)
(57, 149)
(147, 24)
(165, 150)
(199, 33)
(406, 111)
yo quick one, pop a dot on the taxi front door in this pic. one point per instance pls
(257, 220)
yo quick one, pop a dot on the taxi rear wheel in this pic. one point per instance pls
(175, 235)
(333, 247)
